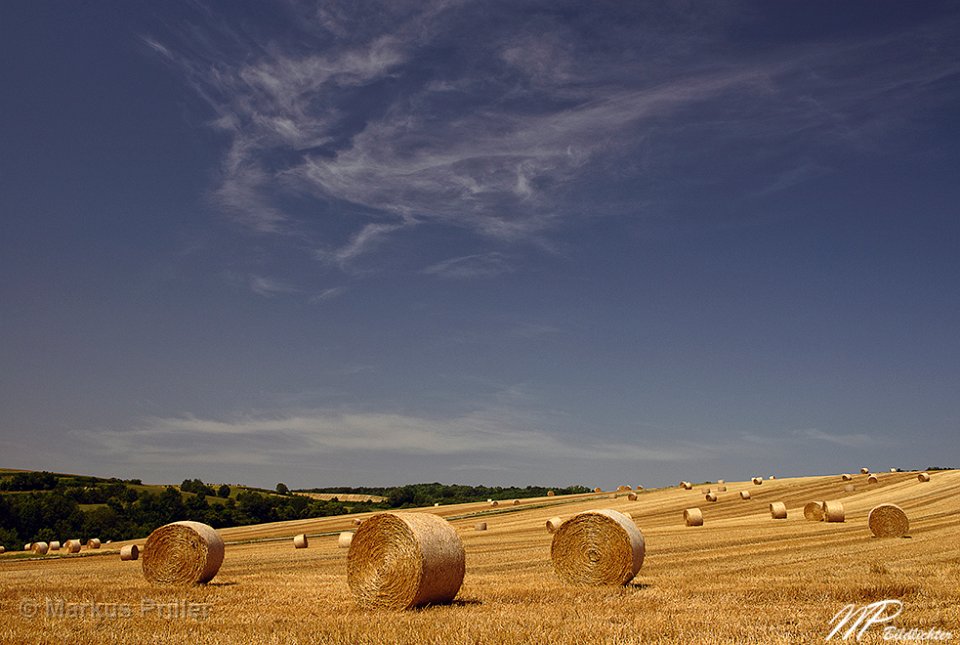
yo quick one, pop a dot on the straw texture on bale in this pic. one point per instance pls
(130, 552)
(93, 543)
(693, 517)
(744, 494)
(711, 497)
(403, 560)
(845, 477)
(553, 524)
(924, 477)
(888, 520)
(182, 553)
(864, 471)
(55, 546)
(550, 493)
(480, 526)
(873, 479)
(632, 497)
(849, 488)
(833, 511)
(598, 547)
(813, 511)
(757, 480)
(41, 548)
(72, 546)
(345, 539)
(300, 541)
(778, 510)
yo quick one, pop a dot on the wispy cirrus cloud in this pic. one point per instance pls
(478, 265)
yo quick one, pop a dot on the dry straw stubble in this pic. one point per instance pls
(404, 560)
(888, 520)
(598, 547)
(182, 553)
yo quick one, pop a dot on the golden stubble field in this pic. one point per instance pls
(741, 578)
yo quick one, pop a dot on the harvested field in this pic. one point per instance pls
(741, 578)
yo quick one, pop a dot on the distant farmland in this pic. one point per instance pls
(344, 497)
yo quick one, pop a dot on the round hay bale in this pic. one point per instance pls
(639, 488)
(300, 541)
(706, 491)
(622, 488)
(598, 547)
(403, 560)
(357, 521)
(345, 539)
(924, 477)
(516, 502)
(41, 548)
(849, 488)
(757, 480)
(3, 549)
(494, 503)
(28, 546)
(846, 477)
(813, 511)
(711, 497)
(693, 517)
(72, 546)
(833, 511)
(744, 494)
(436, 503)
(632, 497)
(864, 471)
(721, 489)
(893, 470)
(771, 477)
(687, 486)
(55, 545)
(182, 553)
(720, 482)
(93, 543)
(873, 479)
(888, 520)
(597, 490)
(550, 493)
(553, 524)
(480, 526)
(130, 552)
(778, 510)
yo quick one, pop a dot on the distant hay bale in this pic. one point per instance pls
(864, 471)
(550, 493)
(345, 539)
(598, 547)
(813, 511)
(757, 480)
(553, 524)
(893, 470)
(849, 488)
(888, 520)
(845, 477)
(744, 494)
(693, 517)
(130, 552)
(93, 543)
(489, 500)
(778, 510)
(28, 546)
(686, 485)
(357, 521)
(711, 497)
(72, 546)
(3, 549)
(721, 489)
(55, 545)
(720, 482)
(404, 560)
(41, 548)
(494, 503)
(706, 491)
(632, 497)
(924, 477)
(516, 502)
(772, 477)
(300, 541)
(873, 479)
(623, 488)
(833, 511)
(480, 526)
(182, 553)
(597, 490)
(436, 503)
(639, 488)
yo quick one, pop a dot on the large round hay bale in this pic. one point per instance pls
(813, 511)
(55, 545)
(873, 479)
(849, 488)
(553, 524)
(924, 477)
(480, 526)
(778, 510)
(833, 511)
(550, 493)
(345, 539)
(93, 543)
(598, 547)
(711, 497)
(757, 480)
(41, 548)
(846, 477)
(864, 471)
(130, 552)
(403, 560)
(182, 553)
(888, 520)
(693, 517)
(301, 541)
(72, 546)
(745, 494)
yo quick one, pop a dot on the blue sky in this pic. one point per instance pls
(497, 242)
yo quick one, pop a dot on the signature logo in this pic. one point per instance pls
(853, 622)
